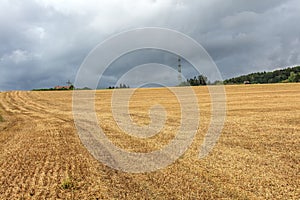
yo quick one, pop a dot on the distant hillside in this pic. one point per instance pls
(277, 76)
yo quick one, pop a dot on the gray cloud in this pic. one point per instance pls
(44, 42)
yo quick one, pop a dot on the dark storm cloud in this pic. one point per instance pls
(44, 42)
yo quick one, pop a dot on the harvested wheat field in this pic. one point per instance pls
(257, 155)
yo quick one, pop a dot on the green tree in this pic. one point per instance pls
(292, 77)
(297, 77)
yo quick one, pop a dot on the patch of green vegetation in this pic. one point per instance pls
(63, 88)
(287, 75)
(1, 118)
(67, 184)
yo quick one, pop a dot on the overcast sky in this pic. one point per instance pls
(43, 42)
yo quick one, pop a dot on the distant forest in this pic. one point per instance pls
(197, 80)
(288, 75)
(278, 76)
(121, 86)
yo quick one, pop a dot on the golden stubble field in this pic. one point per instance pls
(257, 155)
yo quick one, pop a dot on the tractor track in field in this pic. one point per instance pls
(24, 104)
(42, 152)
(32, 163)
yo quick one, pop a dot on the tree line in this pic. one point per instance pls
(278, 76)
(197, 80)
(122, 85)
(287, 75)
(71, 87)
